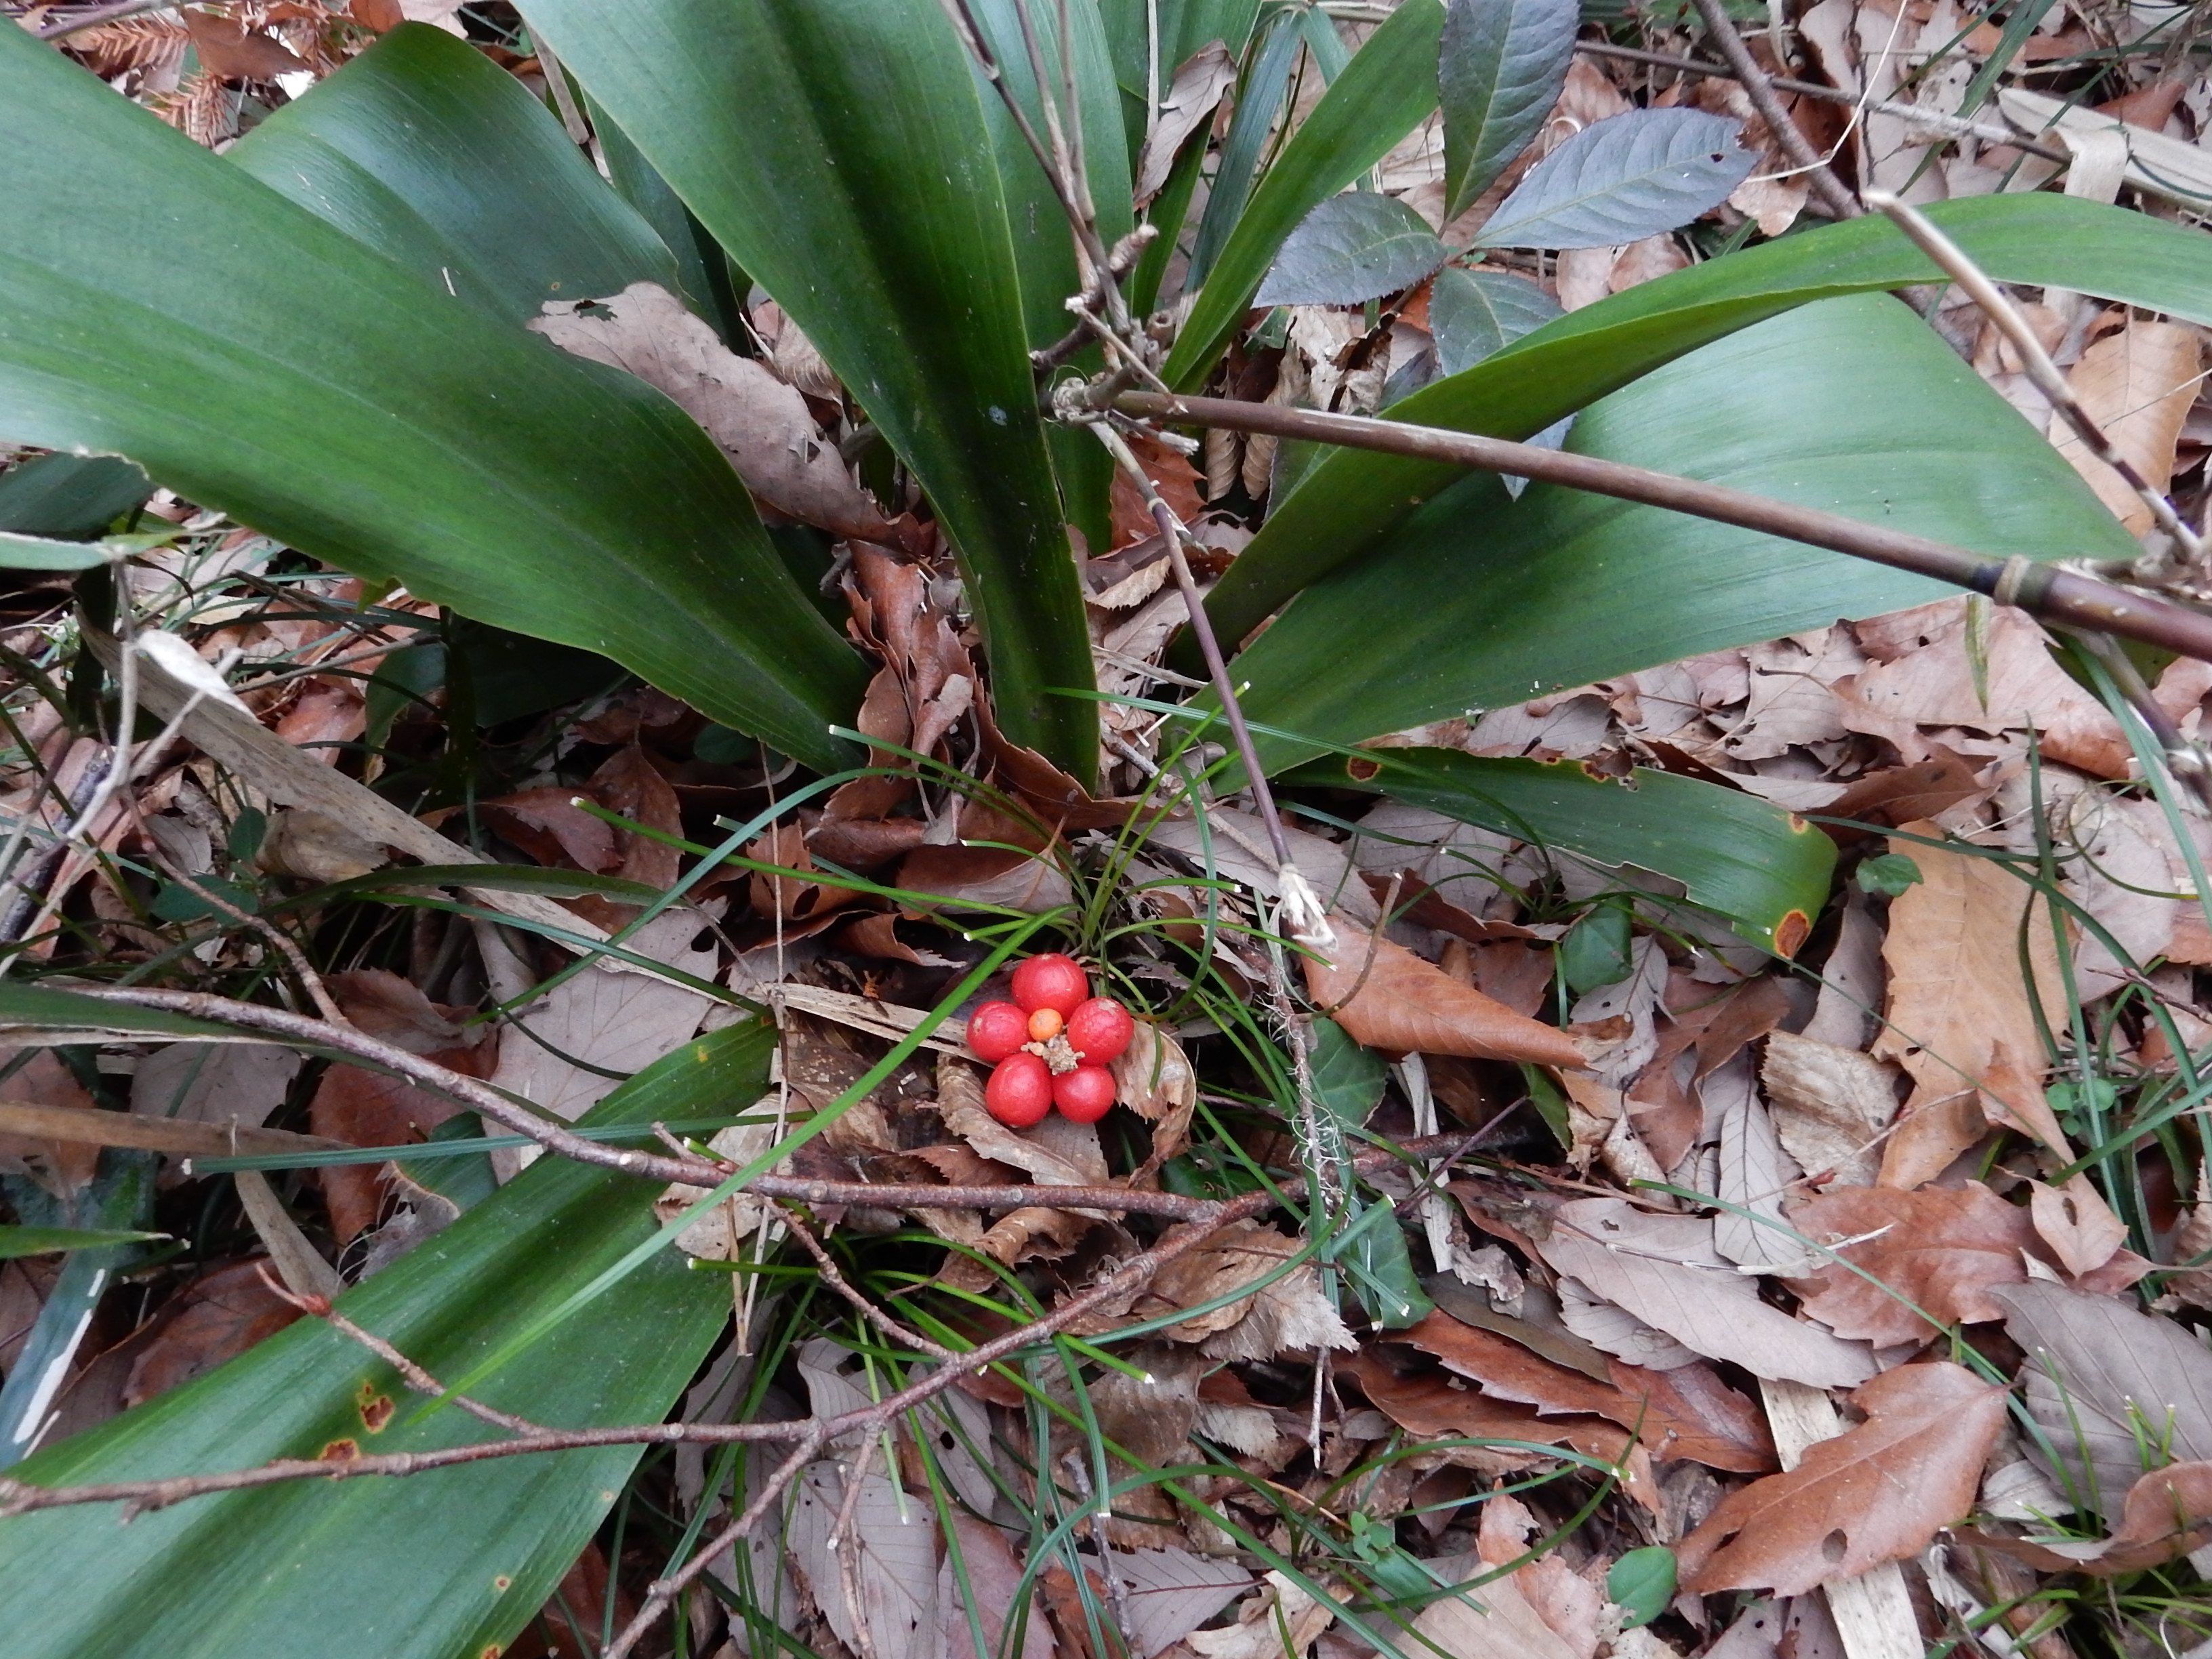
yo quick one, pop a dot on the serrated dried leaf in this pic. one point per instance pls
(1830, 1105)
(1664, 1270)
(1875, 1493)
(1172, 1592)
(1388, 998)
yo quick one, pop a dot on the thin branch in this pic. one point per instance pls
(1302, 908)
(1935, 120)
(2043, 591)
(1760, 89)
(868, 1310)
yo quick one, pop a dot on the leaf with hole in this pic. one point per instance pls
(1500, 69)
(1621, 179)
(1356, 246)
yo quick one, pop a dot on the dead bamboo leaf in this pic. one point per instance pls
(1388, 998)
(1877, 1492)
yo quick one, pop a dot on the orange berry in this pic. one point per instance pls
(1045, 1025)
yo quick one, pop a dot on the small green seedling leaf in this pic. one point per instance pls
(1642, 1582)
(1888, 875)
(247, 831)
(1595, 951)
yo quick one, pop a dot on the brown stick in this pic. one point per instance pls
(2042, 590)
(186, 1136)
(1802, 156)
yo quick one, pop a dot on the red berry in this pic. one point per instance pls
(1100, 1029)
(1052, 981)
(997, 1029)
(1020, 1091)
(1084, 1094)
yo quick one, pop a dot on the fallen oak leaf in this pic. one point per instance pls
(1388, 998)
(1877, 1493)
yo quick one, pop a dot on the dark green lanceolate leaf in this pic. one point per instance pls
(156, 301)
(1762, 869)
(1388, 85)
(1356, 246)
(71, 498)
(1500, 67)
(1350, 500)
(1853, 406)
(424, 149)
(709, 284)
(47, 1241)
(1044, 245)
(1473, 314)
(451, 1562)
(1259, 101)
(839, 150)
(1622, 180)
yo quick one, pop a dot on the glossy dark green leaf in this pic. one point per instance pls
(838, 149)
(1762, 869)
(1352, 500)
(708, 283)
(157, 301)
(1259, 103)
(48, 1241)
(69, 498)
(452, 1562)
(1390, 85)
(427, 151)
(1853, 406)
(1473, 314)
(1358, 246)
(1500, 67)
(1347, 1077)
(1622, 180)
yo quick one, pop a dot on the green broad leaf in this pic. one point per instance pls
(840, 151)
(1643, 1583)
(71, 498)
(42, 1008)
(1853, 406)
(49, 1240)
(1372, 1253)
(1500, 67)
(1352, 500)
(709, 284)
(157, 301)
(449, 1562)
(1389, 86)
(1622, 180)
(1886, 875)
(1347, 1077)
(1258, 102)
(1762, 869)
(20, 552)
(1356, 246)
(1596, 950)
(424, 149)
(1474, 314)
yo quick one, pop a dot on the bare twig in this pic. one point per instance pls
(1303, 912)
(1760, 89)
(281, 942)
(2044, 591)
(1935, 120)
(868, 1310)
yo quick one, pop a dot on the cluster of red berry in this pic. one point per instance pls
(1049, 1046)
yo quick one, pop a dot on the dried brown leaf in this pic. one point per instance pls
(2163, 1518)
(230, 50)
(1388, 998)
(1200, 83)
(217, 1318)
(2137, 384)
(1664, 1270)
(1830, 1105)
(1959, 1018)
(761, 424)
(1877, 1492)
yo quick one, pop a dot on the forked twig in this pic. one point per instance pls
(1720, 28)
